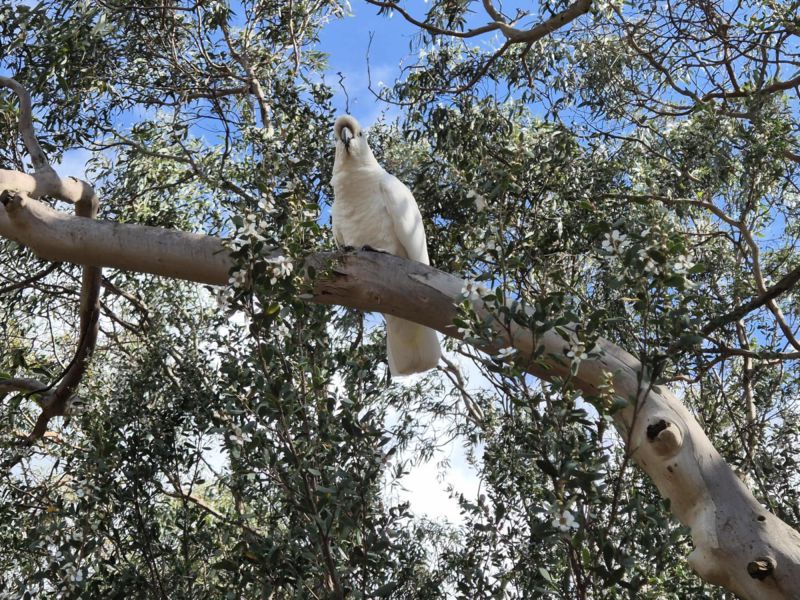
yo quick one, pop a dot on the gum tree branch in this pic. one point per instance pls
(511, 33)
(255, 84)
(25, 125)
(786, 283)
(20, 384)
(86, 203)
(18, 285)
(766, 296)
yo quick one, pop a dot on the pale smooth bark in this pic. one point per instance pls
(738, 543)
(57, 236)
(45, 181)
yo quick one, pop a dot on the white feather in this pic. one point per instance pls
(373, 208)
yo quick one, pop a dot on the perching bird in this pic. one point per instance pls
(373, 208)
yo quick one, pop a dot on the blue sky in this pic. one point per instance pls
(347, 43)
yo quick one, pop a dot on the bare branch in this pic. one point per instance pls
(778, 86)
(178, 493)
(255, 84)
(35, 151)
(786, 283)
(768, 296)
(751, 437)
(20, 384)
(453, 373)
(758, 354)
(511, 33)
(432, 28)
(57, 402)
(29, 280)
(552, 24)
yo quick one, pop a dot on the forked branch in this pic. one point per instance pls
(55, 397)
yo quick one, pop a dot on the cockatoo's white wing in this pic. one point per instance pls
(404, 213)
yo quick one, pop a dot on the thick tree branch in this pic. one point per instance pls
(53, 235)
(20, 384)
(730, 529)
(46, 184)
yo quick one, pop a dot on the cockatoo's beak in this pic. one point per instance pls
(347, 135)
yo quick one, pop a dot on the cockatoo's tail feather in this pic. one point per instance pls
(411, 348)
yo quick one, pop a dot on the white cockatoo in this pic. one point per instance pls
(373, 208)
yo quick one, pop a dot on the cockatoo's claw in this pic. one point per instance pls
(367, 248)
(347, 248)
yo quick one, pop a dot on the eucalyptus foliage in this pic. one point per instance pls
(242, 443)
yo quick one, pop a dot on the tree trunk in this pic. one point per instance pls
(738, 544)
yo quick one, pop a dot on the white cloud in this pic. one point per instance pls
(426, 486)
(431, 488)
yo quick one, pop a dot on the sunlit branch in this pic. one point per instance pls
(511, 33)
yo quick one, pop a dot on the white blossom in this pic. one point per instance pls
(251, 229)
(577, 352)
(615, 242)
(472, 290)
(504, 353)
(266, 204)
(280, 330)
(682, 264)
(223, 297)
(238, 278)
(238, 437)
(564, 521)
(478, 199)
(281, 267)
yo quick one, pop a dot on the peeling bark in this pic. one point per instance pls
(738, 544)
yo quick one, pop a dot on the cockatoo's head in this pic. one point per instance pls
(351, 145)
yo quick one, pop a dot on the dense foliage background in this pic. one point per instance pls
(634, 172)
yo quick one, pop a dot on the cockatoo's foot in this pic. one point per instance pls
(347, 248)
(367, 248)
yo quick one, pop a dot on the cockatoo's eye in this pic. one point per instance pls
(360, 134)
